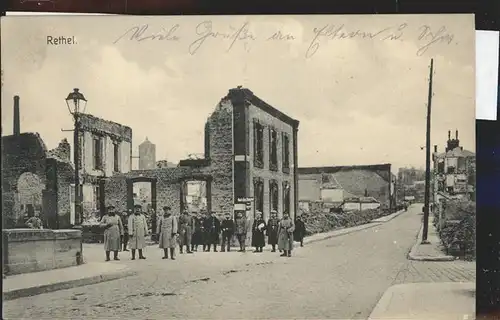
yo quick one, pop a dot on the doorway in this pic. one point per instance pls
(196, 195)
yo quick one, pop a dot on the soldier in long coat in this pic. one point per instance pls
(258, 233)
(212, 230)
(167, 233)
(197, 238)
(113, 229)
(240, 225)
(137, 231)
(186, 229)
(272, 230)
(285, 235)
(300, 231)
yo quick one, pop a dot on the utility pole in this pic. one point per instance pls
(428, 160)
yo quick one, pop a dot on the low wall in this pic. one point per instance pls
(30, 250)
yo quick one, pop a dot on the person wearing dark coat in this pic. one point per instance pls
(240, 225)
(272, 230)
(125, 215)
(258, 230)
(300, 231)
(227, 227)
(197, 238)
(186, 228)
(212, 230)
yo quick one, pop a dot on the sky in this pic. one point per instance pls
(360, 99)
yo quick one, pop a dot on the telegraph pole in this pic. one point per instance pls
(428, 159)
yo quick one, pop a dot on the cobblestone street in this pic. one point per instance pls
(339, 278)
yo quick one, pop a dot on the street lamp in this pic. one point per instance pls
(76, 102)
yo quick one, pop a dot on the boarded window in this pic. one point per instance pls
(286, 197)
(258, 145)
(273, 149)
(259, 195)
(273, 195)
(286, 152)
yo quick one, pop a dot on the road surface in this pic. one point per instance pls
(339, 278)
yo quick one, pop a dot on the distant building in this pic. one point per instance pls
(335, 185)
(454, 170)
(147, 155)
(408, 176)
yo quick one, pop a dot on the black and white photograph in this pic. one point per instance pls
(238, 167)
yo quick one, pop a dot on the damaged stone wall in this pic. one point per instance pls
(167, 187)
(62, 151)
(220, 152)
(168, 180)
(21, 153)
(27, 153)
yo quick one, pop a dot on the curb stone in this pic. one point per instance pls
(391, 216)
(32, 291)
(345, 231)
(414, 257)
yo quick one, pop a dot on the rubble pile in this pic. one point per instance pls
(318, 220)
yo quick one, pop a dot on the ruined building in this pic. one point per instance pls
(249, 161)
(454, 170)
(105, 150)
(335, 185)
(35, 180)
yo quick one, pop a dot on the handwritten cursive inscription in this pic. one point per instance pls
(429, 38)
(332, 32)
(138, 33)
(279, 36)
(205, 31)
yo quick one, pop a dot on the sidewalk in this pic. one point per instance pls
(30, 284)
(423, 301)
(431, 251)
(340, 232)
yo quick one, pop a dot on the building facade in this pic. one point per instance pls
(105, 150)
(147, 155)
(454, 170)
(265, 154)
(336, 185)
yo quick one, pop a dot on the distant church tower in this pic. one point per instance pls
(147, 155)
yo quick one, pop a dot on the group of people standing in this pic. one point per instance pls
(280, 232)
(190, 232)
(122, 230)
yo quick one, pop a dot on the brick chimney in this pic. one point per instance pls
(17, 121)
(456, 135)
(449, 135)
(435, 148)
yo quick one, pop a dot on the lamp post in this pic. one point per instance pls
(76, 102)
